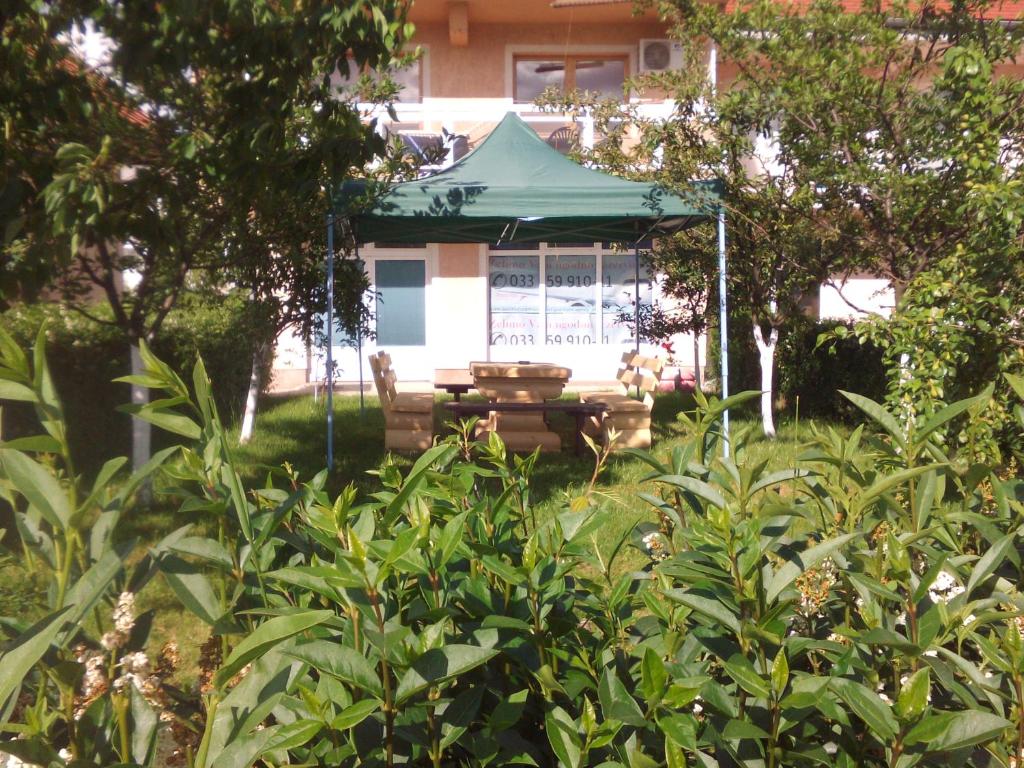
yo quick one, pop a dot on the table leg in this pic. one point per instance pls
(457, 395)
(580, 421)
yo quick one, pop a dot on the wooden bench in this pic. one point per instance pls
(629, 416)
(581, 410)
(408, 416)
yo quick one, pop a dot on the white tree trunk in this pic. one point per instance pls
(766, 353)
(251, 399)
(696, 361)
(142, 431)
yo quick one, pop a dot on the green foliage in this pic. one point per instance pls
(142, 165)
(86, 356)
(814, 370)
(860, 608)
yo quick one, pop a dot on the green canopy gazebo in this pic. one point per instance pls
(515, 188)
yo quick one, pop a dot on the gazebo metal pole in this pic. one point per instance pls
(359, 342)
(330, 340)
(723, 322)
(636, 292)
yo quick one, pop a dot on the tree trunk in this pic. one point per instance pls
(251, 399)
(142, 431)
(696, 361)
(766, 353)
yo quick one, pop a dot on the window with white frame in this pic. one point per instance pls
(564, 295)
(603, 74)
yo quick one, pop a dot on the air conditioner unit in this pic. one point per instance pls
(660, 55)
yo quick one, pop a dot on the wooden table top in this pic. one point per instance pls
(521, 370)
(452, 377)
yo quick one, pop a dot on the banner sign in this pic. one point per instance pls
(571, 290)
(515, 300)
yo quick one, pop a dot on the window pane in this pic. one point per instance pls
(571, 306)
(401, 303)
(515, 300)
(618, 286)
(409, 81)
(533, 76)
(603, 76)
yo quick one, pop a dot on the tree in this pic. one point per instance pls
(783, 234)
(834, 142)
(909, 144)
(201, 123)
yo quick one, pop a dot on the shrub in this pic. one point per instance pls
(859, 609)
(815, 373)
(86, 356)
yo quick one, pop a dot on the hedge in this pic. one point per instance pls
(804, 372)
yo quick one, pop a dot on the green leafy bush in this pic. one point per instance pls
(86, 356)
(816, 372)
(858, 609)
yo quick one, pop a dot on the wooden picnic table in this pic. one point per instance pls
(526, 384)
(488, 410)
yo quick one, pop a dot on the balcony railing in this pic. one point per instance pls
(476, 118)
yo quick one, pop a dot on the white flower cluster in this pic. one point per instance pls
(124, 621)
(945, 588)
(94, 680)
(655, 546)
(136, 671)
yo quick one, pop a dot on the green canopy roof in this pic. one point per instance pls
(514, 187)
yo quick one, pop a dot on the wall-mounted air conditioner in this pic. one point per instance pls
(660, 55)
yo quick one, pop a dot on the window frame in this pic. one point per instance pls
(571, 57)
(542, 251)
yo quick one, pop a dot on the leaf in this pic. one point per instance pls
(945, 732)
(12, 390)
(563, 736)
(707, 606)
(780, 672)
(948, 413)
(35, 444)
(1016, 382)
(682, 729)
(355, 714)
(342, 662)
(742, 729)
(106, 473)
(867, 705)
(440, 664)
(881, 416)
(507, 711)
(913, 696)
(168, 421)
(92, 585)
(810, 557)
(192, 587)
(888, 482)
(742, 671)
(991, 560)
(292, 735)
(616, 701)
(40, 488)
(697, 487)
(265, 637)
(653, 676)
(25, 651)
